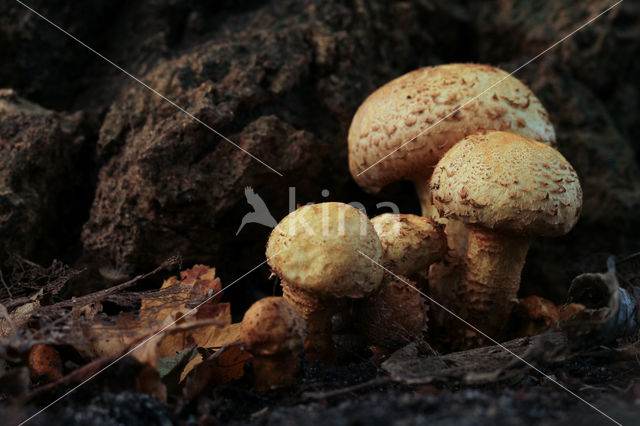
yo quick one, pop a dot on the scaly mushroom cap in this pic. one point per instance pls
(402, 109)
(506, 182)
(315, 249)
(271, 326)
(410, 243)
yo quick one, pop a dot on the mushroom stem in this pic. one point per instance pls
(423, 190)
(455, 231)
(485, 289)
(317, 315)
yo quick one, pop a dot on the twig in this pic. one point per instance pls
(100, 295)
(336, 392)
(628, 258)
(6, 287)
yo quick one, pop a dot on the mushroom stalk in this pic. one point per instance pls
(423, 190)
(482, 290)
(317, 315)
(493, 265)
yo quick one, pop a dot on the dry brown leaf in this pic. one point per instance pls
(164, 309)
(212, 337)
(191, 290)
(18, 318)
(224, 366)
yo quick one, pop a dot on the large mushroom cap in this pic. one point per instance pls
(316, 248)
(272, 326)
(402, 109)
(503, 181)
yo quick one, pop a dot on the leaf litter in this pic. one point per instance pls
(180, 340)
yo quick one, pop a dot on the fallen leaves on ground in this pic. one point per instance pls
(181, 337)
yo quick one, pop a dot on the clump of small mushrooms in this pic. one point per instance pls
(480, 150)
(403, 129)
(323, 254)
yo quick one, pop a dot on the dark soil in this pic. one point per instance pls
(530, 399)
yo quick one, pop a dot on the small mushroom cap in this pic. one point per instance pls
(315, 249)
(271, 326)
(404, 108)
(410, 243)
(508, 183)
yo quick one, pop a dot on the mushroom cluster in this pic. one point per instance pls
(404, 128)
(323, 254)
(480, 150)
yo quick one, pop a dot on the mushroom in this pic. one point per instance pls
(323, 253)
(403, 128)
(394, 317)
(273, 332)
(45, 363)
(410, 243)
(506, 189)
(397, 314)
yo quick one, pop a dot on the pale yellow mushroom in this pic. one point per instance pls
(410, 243)
(273, 332)
(403, 129)
(506, 189)
(324, 253)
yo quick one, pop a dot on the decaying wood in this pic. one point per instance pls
(475, 366)
(611, 313)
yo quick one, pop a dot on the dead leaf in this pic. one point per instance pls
(224, 366)
(18, 318)
(480, 365)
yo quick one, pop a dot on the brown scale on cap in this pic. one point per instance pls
(412, 103)
(316, 252)
(514, 189)
(273, 332)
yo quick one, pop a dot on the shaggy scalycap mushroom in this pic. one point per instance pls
(273, 332)
(410, 243)
(315, 251)
(507, 189)
(413, 108)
